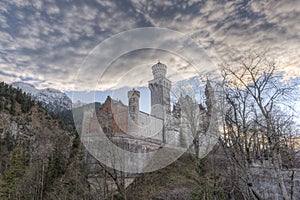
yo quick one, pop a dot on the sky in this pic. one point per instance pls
(51, 43)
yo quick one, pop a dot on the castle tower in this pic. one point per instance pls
(209, 94)
(160, 88)
(133, 109)
(210, 104)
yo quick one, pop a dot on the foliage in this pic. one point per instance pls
(10, 188)
(11, 97)
(208, 182)
(55, 167)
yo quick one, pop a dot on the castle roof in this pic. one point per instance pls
(113, 101)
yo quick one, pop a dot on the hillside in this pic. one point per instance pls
(39, 156)
(186, 178)
(175, 181)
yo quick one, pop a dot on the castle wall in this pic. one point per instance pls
(150, 127)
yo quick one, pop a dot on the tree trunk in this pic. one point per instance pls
(196, 146)
(292, 184)
(276, 162)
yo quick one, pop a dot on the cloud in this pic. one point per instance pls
(48, 47)
(234, 27)
(138, 69)
(48, 40)
(126, 59)
(52, 10)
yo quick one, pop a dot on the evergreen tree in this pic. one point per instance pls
(11, 179)
(55, 167)
(13, 96)
(12, 105)
(9, 141)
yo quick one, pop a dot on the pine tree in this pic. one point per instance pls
(12, 105)
(55, 167)
(11, 179)
(9, 141)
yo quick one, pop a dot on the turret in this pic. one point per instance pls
(133, 108)
(159, 70)
(160, 88)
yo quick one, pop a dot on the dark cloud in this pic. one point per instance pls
(47, 41)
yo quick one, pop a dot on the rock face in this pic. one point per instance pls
(38, 130)
(54, 100)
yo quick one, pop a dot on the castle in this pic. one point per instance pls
(115, 117)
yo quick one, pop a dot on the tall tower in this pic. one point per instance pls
(209, 94)
(133, 109)
(210, 104)
(160, 88)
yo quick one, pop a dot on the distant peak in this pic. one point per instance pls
(52, 90)
(19, 83)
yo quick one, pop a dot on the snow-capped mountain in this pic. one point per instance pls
(52, 99)
(78, 104)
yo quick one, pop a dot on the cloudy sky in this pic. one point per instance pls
(50, 43)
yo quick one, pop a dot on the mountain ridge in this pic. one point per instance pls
(52, 99)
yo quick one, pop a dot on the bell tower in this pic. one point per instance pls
(160, 88)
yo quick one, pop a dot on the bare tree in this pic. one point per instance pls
(254, 94)
(108, 178)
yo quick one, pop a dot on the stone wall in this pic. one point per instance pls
(266, 182)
